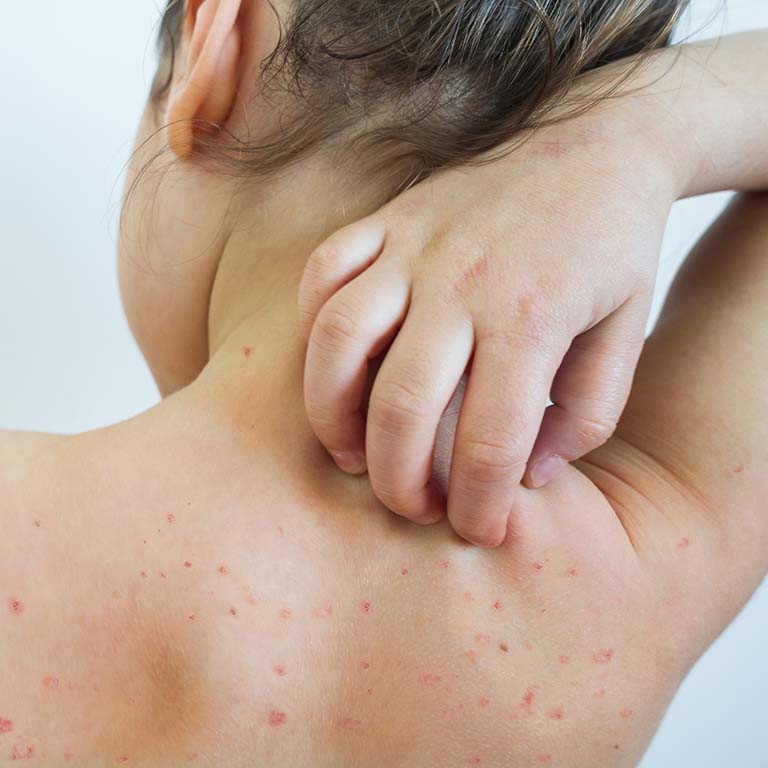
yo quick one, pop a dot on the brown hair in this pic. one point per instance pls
(431, 83)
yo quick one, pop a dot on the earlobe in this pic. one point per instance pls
(203, 96)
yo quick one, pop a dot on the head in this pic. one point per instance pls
(297, 115)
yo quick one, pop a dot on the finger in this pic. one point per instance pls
(353, 326)
(506, 395)
(413, 388)
(337, 261)
(589, 392)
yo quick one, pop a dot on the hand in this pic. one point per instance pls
(536, 272)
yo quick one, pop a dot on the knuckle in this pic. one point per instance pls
(323, 258)
(397, 404)
(593, 432)
(489, 461)
(336, 325)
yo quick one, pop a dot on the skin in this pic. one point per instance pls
(202, 585)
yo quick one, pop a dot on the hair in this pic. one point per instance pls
(429, 83)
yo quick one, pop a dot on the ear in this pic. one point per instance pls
(204, 91)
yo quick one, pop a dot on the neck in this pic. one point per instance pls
(257, 350)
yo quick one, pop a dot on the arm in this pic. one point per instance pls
(534, 273)
(688, 466)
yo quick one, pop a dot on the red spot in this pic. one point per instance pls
(370, 691)
(497, 606)
(404, 571)
(428, 679)
(285, 613)
(51, 683)
(603, 657)
(503, 647)
(280, 669)
(573, 572)
(15, 606)
(191, 617)
(445, 564)
(365, 607)
(6, 726)
(247, 352)
(625, 713)
(739, 469)
(349, 724)
(482, 702)
(27, 755)
(250, 598)
(528, 697)
(683, 543)
(365, 665)
(277, 718)
(537, 566)
(233, 611)
(170, 518)
(68, 756)
(564, 659)
(144, 575)
(473, 761)
(325, 610)
(123, 759)
(187, 564)
(482, 638)
(545, 759)
(222, 570)
(556, 714)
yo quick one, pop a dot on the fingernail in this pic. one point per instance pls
(350, 461)
(547, 469)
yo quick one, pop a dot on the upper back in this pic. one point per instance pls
(172, 596)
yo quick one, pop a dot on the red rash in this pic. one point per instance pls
(17, 755)
(285, 613)
(247, 352)
(537, 566)
(497, 606)
(684, 543)
(187, 564)
(564, 659)
(365, 665)
(625, 713)
(222, 570)
(365, 607)
(603, 657)
(427, 678)
(277, 718)
(573, 572)
(556, 714)
(445, 564)
(528, 698)
(51, 683)
(6, 726)
(349, 724)
(482, 702)
(545, 759)
(404, 572)
(15, 606)
(280, 670)
(170, 518)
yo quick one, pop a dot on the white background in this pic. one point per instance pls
(74, 78)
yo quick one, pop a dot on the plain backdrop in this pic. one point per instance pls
(74, 79)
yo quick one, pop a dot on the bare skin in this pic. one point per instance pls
(203, 581)
(202, 585)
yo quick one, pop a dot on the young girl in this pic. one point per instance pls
(202, 585)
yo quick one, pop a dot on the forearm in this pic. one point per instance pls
(708, 107)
